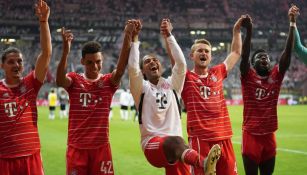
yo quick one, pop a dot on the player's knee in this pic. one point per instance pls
(174, 141)
(174, 145)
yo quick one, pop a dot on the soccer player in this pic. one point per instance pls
(124, 104)
(260, 89)
(63, 98)
(19, 139)
(157, 100)
(299, 49)
(208, 120)
(52, 99)
(90, 95)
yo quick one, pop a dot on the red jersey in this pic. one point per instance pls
(207, 114)
(260, 97)
(90, 103)
(18, 118)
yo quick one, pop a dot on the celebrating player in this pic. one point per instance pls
(299, 49)
(159, 109)
(19, 140)
(90, 97)
(260, 88)
(208, 121)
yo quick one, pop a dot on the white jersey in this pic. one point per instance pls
(124, 98)
(160, 115)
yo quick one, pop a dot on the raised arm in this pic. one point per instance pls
(285, 58)
(245, 64)
(124, 54)
(134, 71)
(61, 79)
(176, 55)
(42, 11)
(299, 49)
(165, 31)
(236, 46)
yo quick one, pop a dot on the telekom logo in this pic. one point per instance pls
(85, 99)
(260, 93)
(204, 91)
(10, 108)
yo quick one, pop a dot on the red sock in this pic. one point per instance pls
(191, 157)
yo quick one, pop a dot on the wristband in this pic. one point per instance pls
(292, 24)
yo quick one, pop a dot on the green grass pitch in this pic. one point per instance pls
(129, 159)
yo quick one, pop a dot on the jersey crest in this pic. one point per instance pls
(100, 84)
(213, 78)
(23, 89)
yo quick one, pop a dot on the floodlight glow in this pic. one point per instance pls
(8, 40)
(11, 40)
(260, 32)
(282, 34)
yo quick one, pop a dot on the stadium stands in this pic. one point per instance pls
(103, 20)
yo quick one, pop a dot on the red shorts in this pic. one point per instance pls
(155, 155)
(259, 147)
(227, 162)
(89, 161)
(26, 165)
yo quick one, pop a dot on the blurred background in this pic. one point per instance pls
(104, 21)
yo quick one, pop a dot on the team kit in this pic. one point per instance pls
(209, 148)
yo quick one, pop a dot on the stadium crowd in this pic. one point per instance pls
(91, 73)
(103, 21)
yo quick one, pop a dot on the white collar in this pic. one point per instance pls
(91, 80)
(201, 76)
(9, 85)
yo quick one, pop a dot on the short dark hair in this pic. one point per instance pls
(8, 51)
(142, 59)
(255, 53)
(142, 62)
(91, 47)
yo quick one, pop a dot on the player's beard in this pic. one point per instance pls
(154, 76)
(263, 71)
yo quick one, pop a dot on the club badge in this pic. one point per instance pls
(23, 89)
(213, 78)
(100, 84)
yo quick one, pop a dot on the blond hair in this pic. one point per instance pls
(199, 41)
